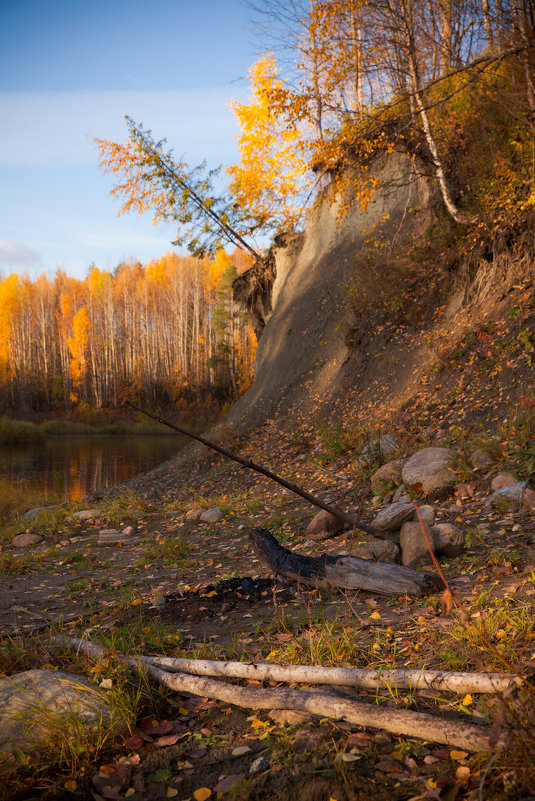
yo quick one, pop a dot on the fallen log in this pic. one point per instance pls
(399, 679)
(340, 571)
(399, 722)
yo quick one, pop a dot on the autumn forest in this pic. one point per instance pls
(167, 332)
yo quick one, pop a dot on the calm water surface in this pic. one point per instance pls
(69, 467)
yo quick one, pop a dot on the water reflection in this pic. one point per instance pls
(70, 467)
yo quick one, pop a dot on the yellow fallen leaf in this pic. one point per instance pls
(146, 630)
(500, 634)
(136, 601)
(171, 792)
(71, 785)
(458, 755)
(257, 724)
(462, 773)
(211, 594)
(467, 700)
(202, 793)
(129, 792)
(375, 616)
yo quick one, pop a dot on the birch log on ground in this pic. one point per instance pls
(400, 722)
(341, 572)
(366, 679)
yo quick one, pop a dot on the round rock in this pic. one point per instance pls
(502, 480)
(25, 540)
(37, 705)
(324, 523)
(448, 540)
(428, 470)
(211, 515)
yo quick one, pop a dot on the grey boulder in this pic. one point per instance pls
(39, 706)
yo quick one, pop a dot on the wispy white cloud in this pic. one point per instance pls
(14, 255)
(56, 129)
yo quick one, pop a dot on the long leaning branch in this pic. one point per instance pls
(348, 520)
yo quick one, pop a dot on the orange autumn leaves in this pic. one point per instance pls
(272, 173)
(145, 332)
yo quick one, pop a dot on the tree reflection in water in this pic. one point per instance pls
(70, 467)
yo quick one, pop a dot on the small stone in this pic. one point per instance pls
(393, 516)
(428, 470)
(480, 460)
(211, 515)
(86, 514)
(414, 546)
(502, 480)
(129, 530)
(258, 765)
(448, 540)
(37, 510)
(387, 444)
(324, 523)
(427, 513)
(308, 544)
(158, 601)
(378, 550)
(25, 540)
(400, 494)
(510, 496)
(112, 536)
(193, 515)
(389, 473)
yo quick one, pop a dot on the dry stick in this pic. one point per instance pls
(399, 722)
(348, 520)
(505, 662)
(456, 682)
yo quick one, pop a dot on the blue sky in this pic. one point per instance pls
(70, 71)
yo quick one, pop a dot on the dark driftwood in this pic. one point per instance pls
(349, 521)
(342, 572)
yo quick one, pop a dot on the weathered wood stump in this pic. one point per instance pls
(340, 571)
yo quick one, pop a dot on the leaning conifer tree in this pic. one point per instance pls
(152, 179)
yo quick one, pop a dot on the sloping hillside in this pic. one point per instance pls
(377, 309)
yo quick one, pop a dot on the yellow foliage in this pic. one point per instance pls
(78, 344)
(272, 174)
(9, 304)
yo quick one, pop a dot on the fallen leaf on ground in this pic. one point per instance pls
(228, 782)
(241, 749)
(446, 599)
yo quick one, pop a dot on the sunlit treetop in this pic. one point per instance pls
(175, 194)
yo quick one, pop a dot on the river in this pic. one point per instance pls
(69, 467)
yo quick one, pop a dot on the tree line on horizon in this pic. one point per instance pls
(167, 333)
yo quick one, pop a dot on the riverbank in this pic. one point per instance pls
(156, 589)
(19, 432)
